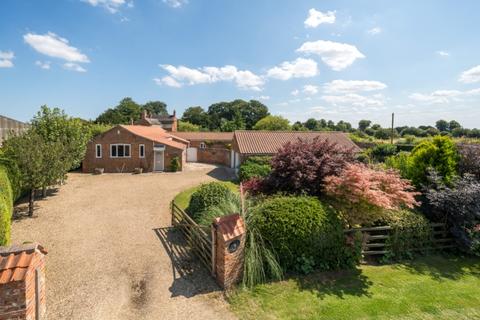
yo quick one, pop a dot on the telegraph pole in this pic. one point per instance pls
(393, 121)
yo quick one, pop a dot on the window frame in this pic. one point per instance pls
(97, 154)
(141, 147)
(116, 145)
(203, 145)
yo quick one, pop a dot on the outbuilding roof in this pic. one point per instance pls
(156, 134)
(268, 142)
(205, 136)
(15, 261)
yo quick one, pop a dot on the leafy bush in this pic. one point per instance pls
(439, 154)
(6, 206)
(255, 167)
(382, 151)
(207, 196)
(400, 163)
(175, 164)
(411, 233)
(301, 167)
(459, 206)
(469, 159)
(361, 193)
(300, 229)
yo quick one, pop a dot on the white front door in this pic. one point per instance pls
(159, 160)
(191, 154)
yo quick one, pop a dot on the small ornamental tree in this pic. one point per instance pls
(362, 193)
(301, 166)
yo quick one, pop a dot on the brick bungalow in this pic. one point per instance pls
(208, 147)
(126, 147)
(267, 143)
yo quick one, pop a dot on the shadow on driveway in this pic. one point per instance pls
(190, 277)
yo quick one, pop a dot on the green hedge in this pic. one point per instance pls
(255, 167)
(304, 233)
(6, 206)
(411, 234)
(207, 196)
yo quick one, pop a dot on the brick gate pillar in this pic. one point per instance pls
(228, 253)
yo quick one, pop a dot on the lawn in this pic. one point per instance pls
(183, 198)
(433, 287)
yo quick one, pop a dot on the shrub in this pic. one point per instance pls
(302, 166)
(254, 167)
(361, 193)
(6, 206)
(459, 206)
(207, 196)
(469, 159)
(411, 233)
(439, 154)
(400, 163)
(382, 151)
(302, 229)
(175, 164)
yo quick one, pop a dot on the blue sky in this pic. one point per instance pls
(339, 60)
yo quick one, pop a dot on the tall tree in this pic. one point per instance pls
(442, 125)
(452, 125)
(196, 115)
(311, 124)
(251, 112)
(156, 107)
(364, 124)
(273, 123)
(124, 113)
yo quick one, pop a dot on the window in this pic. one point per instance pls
(202, 145)
(119, 151)
(98, 151)
(141, 151)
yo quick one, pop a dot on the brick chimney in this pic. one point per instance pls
(22, 282)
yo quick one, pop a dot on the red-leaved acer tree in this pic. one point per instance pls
(361, 193)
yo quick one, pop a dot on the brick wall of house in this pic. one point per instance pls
(116, 165)
(170, 153)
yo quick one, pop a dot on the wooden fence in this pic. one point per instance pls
(198, 237)
(375, 239)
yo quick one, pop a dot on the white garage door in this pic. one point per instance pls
(191, 154)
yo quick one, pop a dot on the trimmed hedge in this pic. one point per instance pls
(207, 196)
(304, 233)
(6, 206)
(255, 167)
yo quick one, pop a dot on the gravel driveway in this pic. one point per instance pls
(110, 249)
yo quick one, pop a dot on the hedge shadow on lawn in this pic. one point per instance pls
(443, 266)
(337, 283)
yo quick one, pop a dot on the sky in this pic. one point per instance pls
(338, 60)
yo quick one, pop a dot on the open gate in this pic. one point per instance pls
(199, 238)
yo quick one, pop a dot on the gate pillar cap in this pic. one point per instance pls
(230, 227)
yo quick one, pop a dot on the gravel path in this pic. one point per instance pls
(110, 249)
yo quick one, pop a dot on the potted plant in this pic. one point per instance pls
(99, 170)
(138, 170)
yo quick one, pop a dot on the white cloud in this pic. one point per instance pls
(443, 53)
(6, 58)
(316, 18)
(178, 76)
(295, 92)
(112, 6)
(263, 98)
(299, 68)
(54, 46)
(374, 31)
(350, 86)
(175, 3)
(43, 64)
(73, 67)
(471, 75)
(443, 96)
(336, 55)
(355, 100)
(310, 89)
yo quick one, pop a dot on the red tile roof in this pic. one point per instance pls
(156, 134)
(268, 142)
(230, 226)
(204, 136)
(15, 261)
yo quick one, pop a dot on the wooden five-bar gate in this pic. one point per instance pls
(375, 239)
(199, 238)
